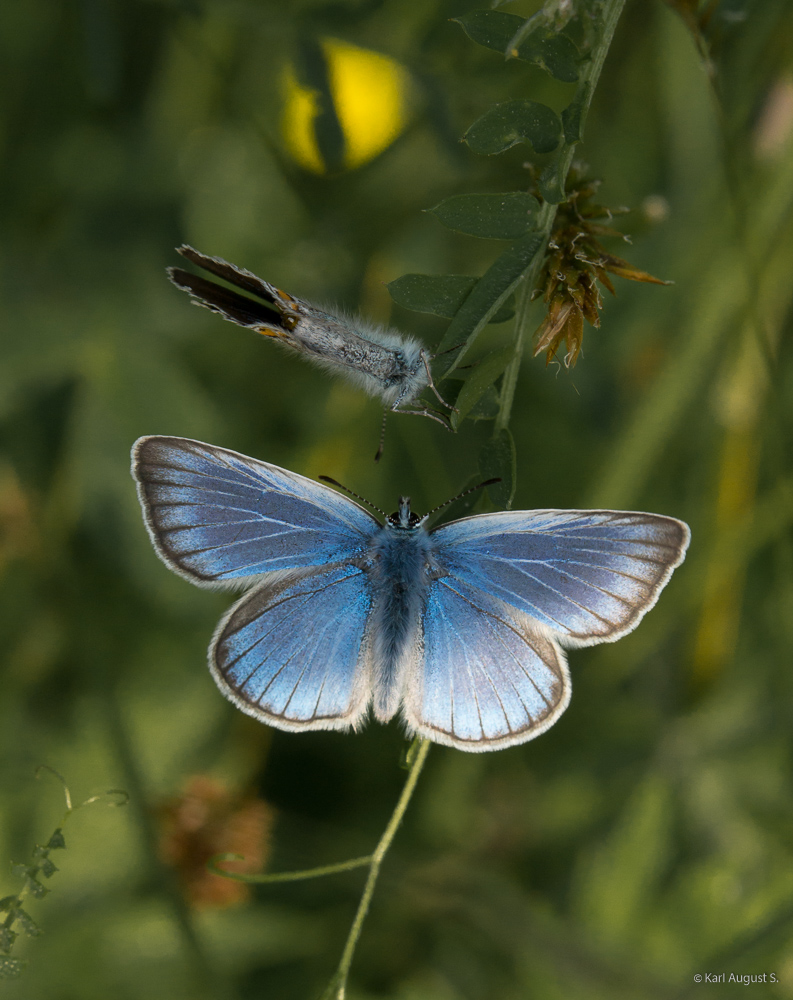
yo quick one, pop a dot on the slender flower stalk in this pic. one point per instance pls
(338, 985)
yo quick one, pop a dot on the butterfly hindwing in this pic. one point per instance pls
(218, 517)
(490, 677)
(588, 576)
(292, 652)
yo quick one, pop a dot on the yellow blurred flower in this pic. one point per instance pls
(370, 93)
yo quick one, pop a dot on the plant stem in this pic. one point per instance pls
(547, 214)
(337, 987)
(510, 380)
(267, 879)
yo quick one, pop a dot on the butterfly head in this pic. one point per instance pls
(404, 518)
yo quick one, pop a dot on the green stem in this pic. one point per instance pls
(265, 879)
(510, 380)
(547, 215)
(337, 987)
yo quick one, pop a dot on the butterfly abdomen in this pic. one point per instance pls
(399, 560)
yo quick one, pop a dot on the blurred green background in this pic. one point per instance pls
(648, 836)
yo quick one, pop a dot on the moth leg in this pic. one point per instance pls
(427, 413)
(380, 447)
(448, 350)
(431, 384)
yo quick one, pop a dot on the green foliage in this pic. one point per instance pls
(439, 295)
(574, 114)
(507, 124)
(31, 873)
(488, 295)
(516, 215)
(487, 370)
(497, 460)
(10, 967)
(489, 216)
(551, 50)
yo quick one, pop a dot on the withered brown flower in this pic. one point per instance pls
(576, 262)
(206, 820)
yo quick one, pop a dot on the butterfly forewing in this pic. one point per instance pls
(588, 576)
(292, 652)
(489, 677)
(219, 517)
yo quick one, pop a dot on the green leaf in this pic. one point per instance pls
(8, 903)
(551, 183)
(488, 407)
(488, 295)
(47, 868)
(497, 458)
(573, 115)
(27, 923)
(553, 51)
(489, 216)
(56, 841)
(7, 938)
(512, 122)
(439, 295)
(504, 312)
(556, 53)
(35, 888)
(10, 968)
(482, 378)
(492, 29)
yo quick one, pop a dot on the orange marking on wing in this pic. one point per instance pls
(273, 331)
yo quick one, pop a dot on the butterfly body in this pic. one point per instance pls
(380, 360)
(400, 567)
(460, 627)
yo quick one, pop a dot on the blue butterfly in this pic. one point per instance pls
(461, 627)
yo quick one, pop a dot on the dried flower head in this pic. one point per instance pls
(207, 820)
(576, 263)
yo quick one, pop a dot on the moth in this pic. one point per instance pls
(380, 360)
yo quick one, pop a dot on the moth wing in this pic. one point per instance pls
(587, 576)
(220, 518)
(292, 652)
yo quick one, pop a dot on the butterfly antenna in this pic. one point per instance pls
(334, 482)
(472, 489)
(380, 447)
